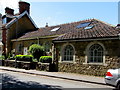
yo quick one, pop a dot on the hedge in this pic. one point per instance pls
(24, 57)
(36, 50)
(2, 57)
(45, 59)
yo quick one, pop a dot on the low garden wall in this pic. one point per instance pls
(1, 62)
(43, 66)
(27, 65)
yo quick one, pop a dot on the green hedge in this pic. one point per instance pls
(45, 59)
(24, 58)
(2, 57)
(36, 50)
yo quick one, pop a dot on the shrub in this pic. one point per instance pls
(19, 57)
(45, 59)
(36, 50)
(24, 57)
(2, 57)
(28, 58)
(34, 60)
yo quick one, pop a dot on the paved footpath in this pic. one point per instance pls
(63, 75)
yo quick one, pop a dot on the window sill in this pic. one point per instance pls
(104, 64)
(67, 62)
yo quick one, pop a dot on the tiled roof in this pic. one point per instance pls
(70, 31)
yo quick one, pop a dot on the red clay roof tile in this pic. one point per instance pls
(69, 31)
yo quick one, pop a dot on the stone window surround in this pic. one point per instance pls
(86, 53)
(61, 54)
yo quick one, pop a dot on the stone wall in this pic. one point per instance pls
(1, 62)
(112, 58)
(43, 66)
(18, 64)
(28, 65)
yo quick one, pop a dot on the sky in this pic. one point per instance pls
(66, 11)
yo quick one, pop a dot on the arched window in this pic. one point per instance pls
(95, 54)
(68, 53)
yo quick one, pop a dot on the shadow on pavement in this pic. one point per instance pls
(10, 82)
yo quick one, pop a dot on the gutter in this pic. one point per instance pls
(92, 39)
(35, 38)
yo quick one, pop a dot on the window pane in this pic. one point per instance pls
(96, 53)
(68, 53)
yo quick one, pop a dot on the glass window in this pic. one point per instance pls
(55, 29)
(83, 24)
(89, 27)
(68, 53)
(95, 54)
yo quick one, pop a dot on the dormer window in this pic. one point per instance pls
(4, 20)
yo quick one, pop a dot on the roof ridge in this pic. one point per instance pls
(67, 23)
(104, 22)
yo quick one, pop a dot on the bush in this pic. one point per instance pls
(24, 57)
(2, 57)
(34, 60)
(45, 59)
(36, 50)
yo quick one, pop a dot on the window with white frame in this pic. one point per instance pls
(68, 53)
(95, 54)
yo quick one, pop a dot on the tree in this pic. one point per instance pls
(36, 50)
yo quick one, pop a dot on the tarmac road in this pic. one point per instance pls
(22, 80)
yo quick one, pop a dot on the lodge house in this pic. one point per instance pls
(87, 47)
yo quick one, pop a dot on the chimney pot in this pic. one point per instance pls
(9, 11)
(46, 25)
(118, 26)
(24, 6)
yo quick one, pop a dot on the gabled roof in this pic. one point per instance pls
(70, 31)
(17, 17)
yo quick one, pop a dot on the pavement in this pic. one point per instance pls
(62, 75)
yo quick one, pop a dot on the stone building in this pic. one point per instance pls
(86, 47)
(91, 48)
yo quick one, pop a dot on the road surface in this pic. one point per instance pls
(11, 79)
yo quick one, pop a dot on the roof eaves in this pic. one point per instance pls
(18, 17)
(87, 39)
(21, 39)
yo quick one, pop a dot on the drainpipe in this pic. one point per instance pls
(53, 52)
(16, 40)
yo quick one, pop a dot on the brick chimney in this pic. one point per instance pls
(9, 11)
(24, 6)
